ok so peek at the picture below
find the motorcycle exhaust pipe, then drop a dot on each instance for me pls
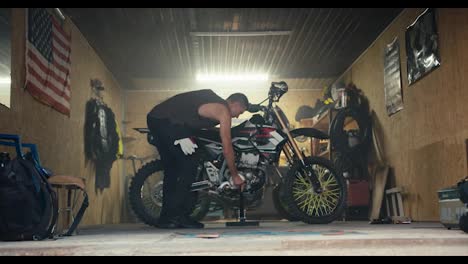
(202, 185)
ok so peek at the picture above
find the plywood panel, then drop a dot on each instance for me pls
(60, 138)
(424, 141)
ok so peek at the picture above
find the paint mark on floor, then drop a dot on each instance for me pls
(270, 233)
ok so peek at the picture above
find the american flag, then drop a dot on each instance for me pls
(48, 60)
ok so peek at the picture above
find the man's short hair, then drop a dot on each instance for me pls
(239, 97)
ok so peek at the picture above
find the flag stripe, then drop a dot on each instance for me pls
(60, 61)
(63, 38)
(47, 91)
(60, 55)
(65, 52)
(54, 72)
(65, 92)
(48, 60)
(59, 67)
(52, 83)
(64, 44)
(59, 29)
(46, 99)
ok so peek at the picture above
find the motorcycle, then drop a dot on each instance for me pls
(311, 191)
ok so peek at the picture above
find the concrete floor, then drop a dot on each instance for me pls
(271, 238)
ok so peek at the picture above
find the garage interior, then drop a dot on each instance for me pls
(403, 188)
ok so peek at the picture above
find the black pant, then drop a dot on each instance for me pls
(179, 169)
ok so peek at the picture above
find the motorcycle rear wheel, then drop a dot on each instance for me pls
(145, 194)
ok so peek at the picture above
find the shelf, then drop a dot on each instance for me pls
(320, 123)
(306, 122)
(324, 153)
(322, 117)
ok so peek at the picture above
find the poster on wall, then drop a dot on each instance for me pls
(392, 78)
(422, 47)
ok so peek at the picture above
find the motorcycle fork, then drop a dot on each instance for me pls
(307, 168)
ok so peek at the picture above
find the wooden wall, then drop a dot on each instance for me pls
(424, 143)
(60, 138)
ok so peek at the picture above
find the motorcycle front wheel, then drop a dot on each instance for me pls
(146, 195)
(304, 203)
(280, 205)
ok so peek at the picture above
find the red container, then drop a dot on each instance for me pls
(358, 193)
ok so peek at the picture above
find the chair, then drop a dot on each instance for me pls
(72, 187)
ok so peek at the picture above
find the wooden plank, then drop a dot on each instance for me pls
(393, 190)
(324, 154)
(322, 122)
(378, 191)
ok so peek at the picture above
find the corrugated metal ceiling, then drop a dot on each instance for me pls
(287, 42)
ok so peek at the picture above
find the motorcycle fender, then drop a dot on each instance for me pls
(309, 132)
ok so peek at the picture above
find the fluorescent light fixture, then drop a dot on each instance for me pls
(240, 34)
(231, 77)
(5, 80)
(59, 13)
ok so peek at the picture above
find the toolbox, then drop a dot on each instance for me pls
(450, 206)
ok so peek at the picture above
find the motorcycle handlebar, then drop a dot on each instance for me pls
(254, 108)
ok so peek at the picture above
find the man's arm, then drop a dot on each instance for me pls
(221, 113)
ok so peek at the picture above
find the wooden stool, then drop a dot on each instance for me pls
(71, 185)
(394, 204)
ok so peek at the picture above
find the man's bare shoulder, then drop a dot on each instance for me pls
(213, 110)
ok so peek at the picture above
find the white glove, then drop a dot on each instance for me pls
(232, 182)
(187, 145)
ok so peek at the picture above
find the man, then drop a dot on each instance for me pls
(172, 123)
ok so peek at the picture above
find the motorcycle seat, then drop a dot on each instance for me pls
(210, 134)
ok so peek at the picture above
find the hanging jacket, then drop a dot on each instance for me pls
(101, 140)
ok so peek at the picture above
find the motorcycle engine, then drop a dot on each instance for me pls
(254, 177)
(248, 160)
(251, 167)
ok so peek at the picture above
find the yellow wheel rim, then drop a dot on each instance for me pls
(312, 203)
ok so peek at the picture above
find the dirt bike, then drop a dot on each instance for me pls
(311, 191)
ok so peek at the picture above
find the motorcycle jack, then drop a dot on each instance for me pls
(242, 218)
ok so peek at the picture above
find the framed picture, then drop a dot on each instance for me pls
(422, 47)
(392, 78)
